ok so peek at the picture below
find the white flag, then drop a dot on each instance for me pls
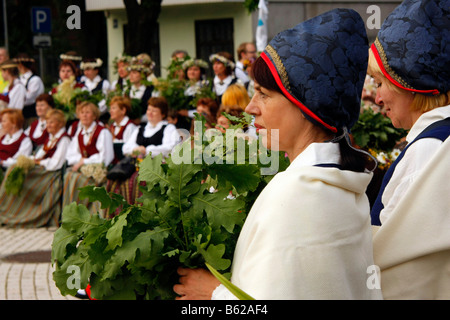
(261, 29)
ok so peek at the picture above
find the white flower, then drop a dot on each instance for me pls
(381, 157)
(394, 154)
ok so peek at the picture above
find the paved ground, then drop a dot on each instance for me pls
(25, 273)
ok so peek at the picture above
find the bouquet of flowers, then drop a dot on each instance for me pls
(15, 179)
(96, 171)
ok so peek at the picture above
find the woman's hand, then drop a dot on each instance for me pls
(77, 165)
(195, 284)
(140, 150)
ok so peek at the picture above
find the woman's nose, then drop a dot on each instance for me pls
(252, 108)
(378, 98)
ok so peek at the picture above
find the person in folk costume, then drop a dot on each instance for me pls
(39, 202)
(33, 84)
(140, 89)
(157, 136)
(68, 71)
(223, 67)
(410, 62)
(96, 84)
(37, 131)
(246, 53)
(14, 94)
(14, 142)
(76, 59)
(195, 71)
(149, 64)
(92, 145)
(308, 234)
(120, 67)
(122, 127)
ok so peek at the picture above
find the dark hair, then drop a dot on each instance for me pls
(350, 159)
(70, 64)
(47, 98)
(211, 104)
(161, 104)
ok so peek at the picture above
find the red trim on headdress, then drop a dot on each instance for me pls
(392, 80)
(274, 72)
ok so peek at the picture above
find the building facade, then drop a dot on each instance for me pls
(202, 27)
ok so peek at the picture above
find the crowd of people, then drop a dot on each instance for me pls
(84, 126)
(311, 233)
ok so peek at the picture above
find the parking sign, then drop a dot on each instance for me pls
(41, 20)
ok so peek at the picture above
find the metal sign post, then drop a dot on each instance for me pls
(42, 26)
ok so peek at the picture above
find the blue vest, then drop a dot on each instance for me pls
(439, 130)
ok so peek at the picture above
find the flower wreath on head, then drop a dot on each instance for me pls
(121, 58)
(143, 62)
(91, 65)
(64, 56)
(138, 67)
(222, 59)
(195, 62)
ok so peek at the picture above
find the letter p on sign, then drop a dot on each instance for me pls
(41, 20)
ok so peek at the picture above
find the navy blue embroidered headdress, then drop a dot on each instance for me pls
(413, 46)
(320, 65)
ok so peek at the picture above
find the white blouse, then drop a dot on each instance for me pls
(170, 139)
(40, 128)
(35, 87)
(128, 132)
(104, 146)
(17, 95)
(26, 147)
(57, 160)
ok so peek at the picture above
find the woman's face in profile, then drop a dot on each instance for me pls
(279, 122)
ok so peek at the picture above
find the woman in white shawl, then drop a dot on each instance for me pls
(411, 214)
(308, 234)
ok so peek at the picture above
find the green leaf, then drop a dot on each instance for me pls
(241, 295)
(127, 252)
(77, 218)
(213, 255)
(180, 177)
(243, 177)
(151, 171)
(107, 200)
(114, 234)
(221, 212)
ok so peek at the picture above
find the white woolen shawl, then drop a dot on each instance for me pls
(412, 248)
(308, 234)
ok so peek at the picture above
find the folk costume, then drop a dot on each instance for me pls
(219, 86)
(158, 139)
(39, 203)
(37, 132)
(95, 145)
(14, 95)
(411, 213)
(308, 234)
(12, 146)
(34, 87)
(97, 84)
(121, 132)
